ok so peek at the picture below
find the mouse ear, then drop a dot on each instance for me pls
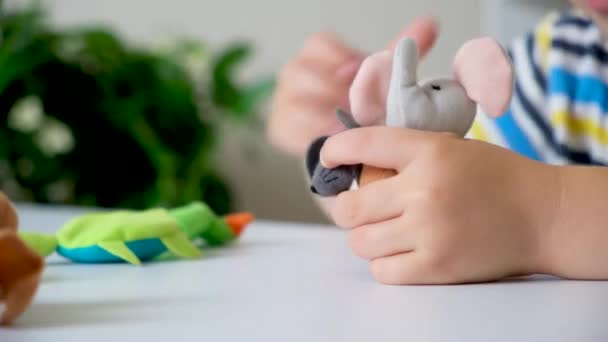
(483, 68)
(369, 89)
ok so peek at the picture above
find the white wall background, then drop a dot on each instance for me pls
(272, 185)
(505, 19)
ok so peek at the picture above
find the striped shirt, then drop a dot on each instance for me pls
(559, 110)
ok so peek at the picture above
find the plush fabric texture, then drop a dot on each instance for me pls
(139, 236)
(370, 174)
(134, 252)
(330, 182)
(483, 68)
(110, 233)
(43, 244)
(386, 91)
(20, 271)
(482, 75)
(197, 220)
(558, 111)
(440, 104)
(8, 215)
(20, 266)
(313, 156)
(105, 237)
(194, 219)
(121, 225)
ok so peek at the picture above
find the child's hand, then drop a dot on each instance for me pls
(309, 89)
(458, 210)
(316, 81)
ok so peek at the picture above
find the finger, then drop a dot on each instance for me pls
(399, 269)
(383, 147)
(376, 202)
(295, 128)
(423, 30)
(306, 112)
(327, 48)
(379, 240)
(345, 74)
(308, 80)
(369, 89)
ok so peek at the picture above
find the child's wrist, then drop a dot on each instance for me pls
(548, 212)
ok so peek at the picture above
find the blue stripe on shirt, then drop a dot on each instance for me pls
(579, 157)
(593, 50)
(553, 82)
(538, 75)
(569, 20)
(515, 137)
(579, 88)
(544, 127)
(547, 132)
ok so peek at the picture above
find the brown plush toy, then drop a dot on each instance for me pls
(20, 266)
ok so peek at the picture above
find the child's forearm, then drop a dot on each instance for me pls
(576, 245)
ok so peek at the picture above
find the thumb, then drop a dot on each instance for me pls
(423, 30)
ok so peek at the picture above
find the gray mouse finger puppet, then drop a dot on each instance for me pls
(330, 182)
(386, 91)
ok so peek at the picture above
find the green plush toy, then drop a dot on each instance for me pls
(138, 236)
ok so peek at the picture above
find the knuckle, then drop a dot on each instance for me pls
(431, 199)
(288, 71)
(436, 149)
(434, 194)
(387, 272)
(439, 265)
(359, 241)
(440, 148)
(347, 209)
(357, 139)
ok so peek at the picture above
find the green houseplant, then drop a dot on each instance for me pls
(87, 119)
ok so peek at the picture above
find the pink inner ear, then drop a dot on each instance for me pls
(483, 68)
(369, 89)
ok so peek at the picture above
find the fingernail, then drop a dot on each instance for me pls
(429, 18)
(321, 159)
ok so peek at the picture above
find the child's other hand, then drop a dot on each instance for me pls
(458, 210)
(309, 88)
(316, 81)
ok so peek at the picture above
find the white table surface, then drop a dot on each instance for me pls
(290, 282)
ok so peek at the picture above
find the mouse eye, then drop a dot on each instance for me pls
(435, 87)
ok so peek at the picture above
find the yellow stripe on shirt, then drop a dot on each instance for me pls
(543, 40)
(478, 132)
(580, 126)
